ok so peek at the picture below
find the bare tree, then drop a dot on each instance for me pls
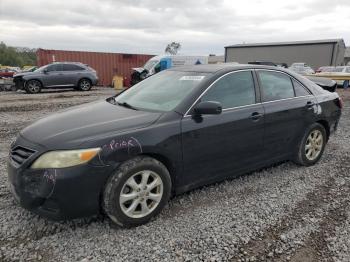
(173, 48)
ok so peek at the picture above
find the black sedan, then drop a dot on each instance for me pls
(175, 131)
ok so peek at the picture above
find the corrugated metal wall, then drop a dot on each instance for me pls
(106, 64)
(314, 54)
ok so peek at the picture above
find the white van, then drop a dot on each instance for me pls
(163, 62)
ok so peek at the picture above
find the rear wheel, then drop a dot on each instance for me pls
(311, 146)
(346, 84)
(137, 191)
(33, 87)
(84, 85)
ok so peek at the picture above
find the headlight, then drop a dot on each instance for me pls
(65, 158)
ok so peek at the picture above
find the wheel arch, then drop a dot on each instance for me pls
(166, 162)
(36, 79)
(325, 124)
(82, 78)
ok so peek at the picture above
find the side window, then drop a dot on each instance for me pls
(275, 86)
(235, 89)
(52, 68)
(348, 70)
(70, 67)
(55, 67)
(300, 90)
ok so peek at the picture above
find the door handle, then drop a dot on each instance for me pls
(310, 104)
(256, 116)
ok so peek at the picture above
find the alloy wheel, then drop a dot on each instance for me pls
(85, 85)
(34, 86)
(141, 194)
(313, 145)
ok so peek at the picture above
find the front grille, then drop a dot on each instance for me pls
(20, 154)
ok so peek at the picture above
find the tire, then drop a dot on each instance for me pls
(138, 204)
(33, 87)
(346, 84)
(84, 84)
(311, 146)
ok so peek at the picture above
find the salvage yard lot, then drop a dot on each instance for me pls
(280, 213)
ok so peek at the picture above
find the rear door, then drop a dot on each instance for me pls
(215, 146)
(289, 110)
(72, 74)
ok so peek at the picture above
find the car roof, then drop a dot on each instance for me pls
(67, 62)
(214, 68)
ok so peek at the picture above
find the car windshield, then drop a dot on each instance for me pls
(40, 68)
(148, 66)
(161, 92)
(327, 69)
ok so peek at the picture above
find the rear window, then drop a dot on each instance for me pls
(275, 86)
(300, 90)
(71, 67)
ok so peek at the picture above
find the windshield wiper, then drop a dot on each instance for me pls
(125, 104)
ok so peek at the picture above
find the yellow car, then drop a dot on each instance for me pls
(341, 74)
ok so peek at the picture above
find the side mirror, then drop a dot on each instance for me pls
(208, 108)
(45, 71)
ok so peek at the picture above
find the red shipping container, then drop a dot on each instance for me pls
(106, 65)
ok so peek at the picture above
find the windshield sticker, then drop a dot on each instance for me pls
(192, 78)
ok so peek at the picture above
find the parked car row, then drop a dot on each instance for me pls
(306, 71)
(7, 72)
(57, 75)
(341, 74)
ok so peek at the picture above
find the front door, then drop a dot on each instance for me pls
(53, 75)
(216, 146)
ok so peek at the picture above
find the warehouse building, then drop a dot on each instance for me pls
(106, 65)
(347, 56)
(315, 53)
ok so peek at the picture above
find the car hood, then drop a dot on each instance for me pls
(139, 69)
(25, 74)
(91, 121)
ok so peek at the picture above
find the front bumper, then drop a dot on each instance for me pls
(95, 81)
(58, 193)
(19, 82)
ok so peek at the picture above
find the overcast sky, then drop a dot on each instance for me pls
(146, 26)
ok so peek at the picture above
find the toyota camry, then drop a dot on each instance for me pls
(177, 130)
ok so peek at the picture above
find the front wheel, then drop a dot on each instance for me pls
(346, 84)
(311, 146)
(137, 191)
(33, 87)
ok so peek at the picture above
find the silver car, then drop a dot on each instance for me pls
(56, 75)
(301, 68)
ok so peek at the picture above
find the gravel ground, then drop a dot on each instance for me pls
(282, 213)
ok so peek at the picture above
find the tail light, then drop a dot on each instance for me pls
(339, 102)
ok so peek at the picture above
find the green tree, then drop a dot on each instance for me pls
(12, 56)
(173, 48)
